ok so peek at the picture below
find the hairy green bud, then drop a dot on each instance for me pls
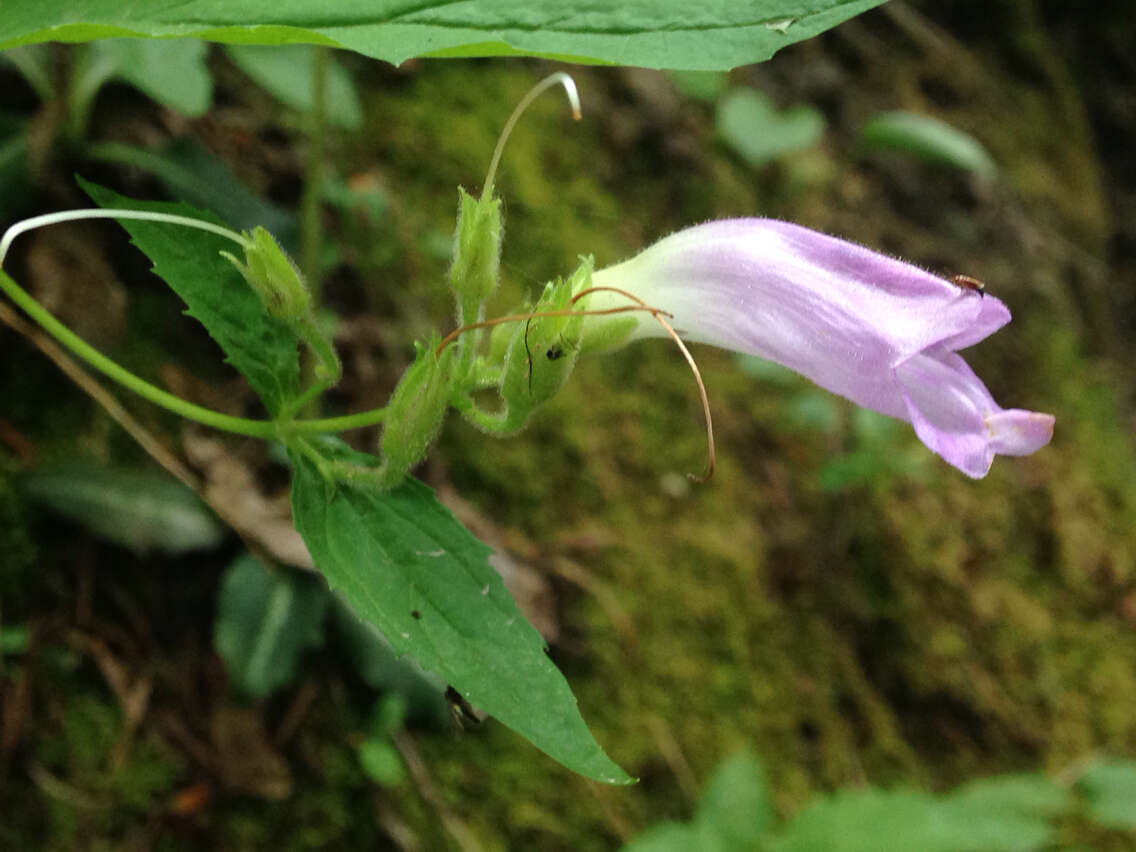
(543, 350)
(415, 412)
(477, 248)
(273, 275)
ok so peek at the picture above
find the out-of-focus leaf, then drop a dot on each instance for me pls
(288, 73)
(678, 837)
(702, 85)
(1009, 812)
(265, 621)
(382, 762)
(928, 139)
(1110, 789)
(735, 803)
(714, 35)
(172, 72)
(14, 182)
(405, 564)
(859, 821)
(1005, 814)
(750, 124)
(264, 349)
(194, 175)
(33, 61)
(139, 509)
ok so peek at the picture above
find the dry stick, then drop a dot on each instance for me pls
(657, 314)
(155, 448)
(99, 394)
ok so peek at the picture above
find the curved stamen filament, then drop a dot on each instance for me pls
(658, 315)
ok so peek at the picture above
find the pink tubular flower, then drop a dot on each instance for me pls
(873, 329)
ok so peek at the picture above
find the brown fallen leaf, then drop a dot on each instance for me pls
(230, 487)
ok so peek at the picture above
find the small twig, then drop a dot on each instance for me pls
(99, 394)
(658, 315)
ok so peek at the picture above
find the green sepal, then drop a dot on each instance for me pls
(477, 249)
(416, 411)
(273, 275)
(543, 350)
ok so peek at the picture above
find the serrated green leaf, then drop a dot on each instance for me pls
(193, 174)
(381, 669)
(265, 621)
(676, 34)
(750, 124)
(928, 139)
(141, 510)
(735, 803)
(1110, 789)
(287, 72)
(171, 72)
(263, 349)
(405, 564)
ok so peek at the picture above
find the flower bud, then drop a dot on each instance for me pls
(477, 248)
(543, 350)
(415, 412)
(273, 275)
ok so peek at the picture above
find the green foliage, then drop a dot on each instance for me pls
(173, 73)
(702, 85)
(404, 563)
(415, 411)
(193, 174)
(288, 72)
(265, 621)
(1008, 813)
(1110, 790)
(477, 249)
(141, 510)
(928, 139)
(380, 668)
(733, 815)
(378, 755)
(751, 125)
(263, 348)
(657, 34)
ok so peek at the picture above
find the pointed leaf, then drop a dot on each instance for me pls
(404, 563)
(264, 349)
(653, 33)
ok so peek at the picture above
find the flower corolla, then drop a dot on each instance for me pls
(881, 332)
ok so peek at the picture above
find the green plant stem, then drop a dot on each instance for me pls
(109, 368)
(179, 406)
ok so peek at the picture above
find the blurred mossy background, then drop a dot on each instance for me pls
(836, 599)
